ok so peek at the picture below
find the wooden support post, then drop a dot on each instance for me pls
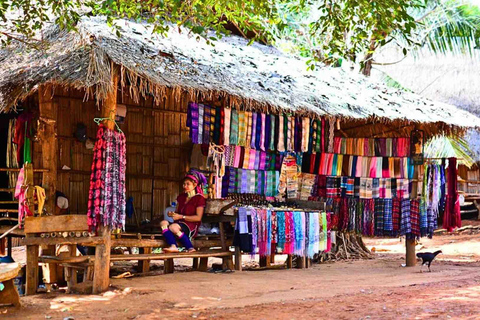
(32, 270)
(203, 264)
(411, 259)
(168, 266)
(144, 265)
(101, 276)
(195, 264)
(49, 270)
(300, 262)
(48, 138)
(9, 246)
(3, 246)
(289, 261)
(238, 259)
(266, 261)
(227, 262)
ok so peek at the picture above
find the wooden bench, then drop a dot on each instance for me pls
(86, 262)
(9, 295)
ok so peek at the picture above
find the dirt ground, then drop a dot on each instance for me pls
(380, 288)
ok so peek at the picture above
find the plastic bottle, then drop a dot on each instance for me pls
(172, 208)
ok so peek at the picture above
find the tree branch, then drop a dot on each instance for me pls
(388, 63)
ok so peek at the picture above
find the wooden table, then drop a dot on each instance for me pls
(9, 295)
(476, 201)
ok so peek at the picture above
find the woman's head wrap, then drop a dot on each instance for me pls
(198, 178)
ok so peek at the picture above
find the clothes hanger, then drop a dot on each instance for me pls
(110, 118)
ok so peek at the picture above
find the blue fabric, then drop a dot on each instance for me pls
(388, 215)
(185, 240)
(169, 237)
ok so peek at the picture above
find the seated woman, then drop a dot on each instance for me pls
(188, 216)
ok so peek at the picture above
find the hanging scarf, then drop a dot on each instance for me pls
(227, 122)
(264, 131)
(234, 127)
(253, 132)
(405, 219)
(242, 128)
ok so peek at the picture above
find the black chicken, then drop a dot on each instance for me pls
(427, 257)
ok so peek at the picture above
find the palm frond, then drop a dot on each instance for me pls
(446, 147)
(451, 27)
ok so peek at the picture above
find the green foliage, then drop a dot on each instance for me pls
(23, 18)
(329, 30)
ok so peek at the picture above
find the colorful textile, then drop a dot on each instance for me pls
(242, 128)
(106, 200)
(234, 127)
(405, 218)
(227, 122)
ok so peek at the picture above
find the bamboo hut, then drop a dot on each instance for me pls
(68, 81)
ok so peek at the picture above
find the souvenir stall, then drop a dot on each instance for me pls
(366, 186)
(304, 154)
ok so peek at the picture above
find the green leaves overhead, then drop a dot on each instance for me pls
(24, 18)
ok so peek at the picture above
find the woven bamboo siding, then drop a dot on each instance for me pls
(158, 149)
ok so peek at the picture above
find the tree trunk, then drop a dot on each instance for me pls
(368, 59)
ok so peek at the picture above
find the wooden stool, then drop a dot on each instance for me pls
(9, 295)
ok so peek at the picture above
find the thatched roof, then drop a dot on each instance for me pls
(253, 76)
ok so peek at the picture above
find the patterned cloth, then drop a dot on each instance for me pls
(388, 216)
(396, 215)
(405, 219)
(234, 127)
(379, 216)
(415, 217)
(106, 200)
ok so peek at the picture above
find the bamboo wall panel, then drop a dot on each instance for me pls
(158, 149)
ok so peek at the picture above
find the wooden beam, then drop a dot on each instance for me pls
(160, 243)
(73, 222)
(88, 241)
(49, 142)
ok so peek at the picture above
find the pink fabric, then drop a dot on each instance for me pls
(373, 168)
(281, 136)
(251, 160)
(236, 161)
(20, 194)
(358, 172)
(337, 144)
